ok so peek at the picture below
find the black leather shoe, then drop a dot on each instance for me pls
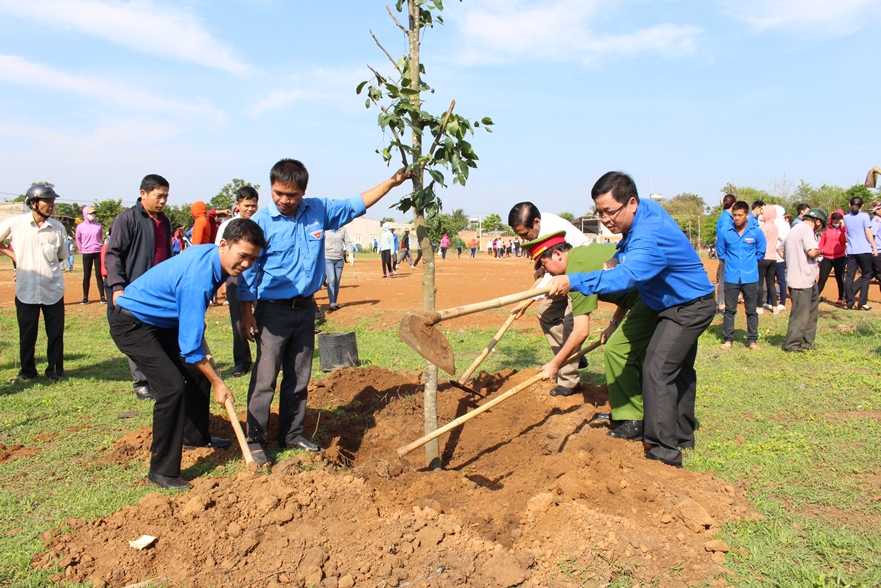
(240, 370)
(663, 461)
(562, 391)
(582, 363)
(144, 393)
(301, 442)
(167, 482)
(630, 430)
(215, 443)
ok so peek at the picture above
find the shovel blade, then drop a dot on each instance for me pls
(427, 341)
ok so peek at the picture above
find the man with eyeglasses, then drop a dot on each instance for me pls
(554, 314)
(656, 258)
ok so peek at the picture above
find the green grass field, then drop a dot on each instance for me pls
(801, 432)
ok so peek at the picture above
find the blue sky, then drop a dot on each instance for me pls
(683, 95)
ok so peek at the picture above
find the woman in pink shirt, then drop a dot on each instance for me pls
(444, 243)
(89, 238)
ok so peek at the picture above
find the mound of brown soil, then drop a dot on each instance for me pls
(533, 493)
(13, 452)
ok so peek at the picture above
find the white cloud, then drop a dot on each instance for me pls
(18, 71)
(327, 85)
(829, 16)
(562, 30)
(144, 26)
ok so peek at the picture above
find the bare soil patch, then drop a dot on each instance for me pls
(533, 494)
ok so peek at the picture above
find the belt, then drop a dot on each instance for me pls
(709, 296)
(298, 303)
(126, 312)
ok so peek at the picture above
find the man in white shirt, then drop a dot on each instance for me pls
(554, 314)
(38, 246)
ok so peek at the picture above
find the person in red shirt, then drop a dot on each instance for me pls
(833, 243)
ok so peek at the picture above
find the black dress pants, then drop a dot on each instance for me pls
(28, 316)
(669, 381)
(180, 415)
(90, 259)
(852, 287)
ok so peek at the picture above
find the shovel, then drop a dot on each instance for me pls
(460, 383)
(243, 443)
(419, 331)
(405, 449)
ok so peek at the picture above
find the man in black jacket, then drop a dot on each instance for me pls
(140, 237)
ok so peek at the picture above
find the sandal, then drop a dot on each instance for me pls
(754, 346)
(20, 378)
(725, 345)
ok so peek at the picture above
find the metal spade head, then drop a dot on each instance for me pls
(427, 341)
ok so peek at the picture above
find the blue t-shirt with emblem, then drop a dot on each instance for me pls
(292, 263)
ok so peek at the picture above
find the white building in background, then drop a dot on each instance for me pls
(10, 209)
(362, 231)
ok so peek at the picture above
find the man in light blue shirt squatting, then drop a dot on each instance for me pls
(743, 248)
(654, 257)
(159, 322)
(287, 274)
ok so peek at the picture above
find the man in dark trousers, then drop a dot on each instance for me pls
(655, 257)
(247, 200)
(160, 323)
(140, 238)
(40, 249)
(283, 281)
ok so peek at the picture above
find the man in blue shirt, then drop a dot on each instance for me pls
(743, 248)
(159, 322)
(860, 250)
(287, 274)
(655, 257)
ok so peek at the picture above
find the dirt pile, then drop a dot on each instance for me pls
(533, 493)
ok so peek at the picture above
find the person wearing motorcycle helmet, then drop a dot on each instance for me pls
(801, 251)
(40, 250)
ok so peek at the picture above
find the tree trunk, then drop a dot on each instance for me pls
(432, 448)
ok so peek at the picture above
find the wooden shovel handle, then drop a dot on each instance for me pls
(405, 449)
(442, 315)
(491, 344)
(240, 436)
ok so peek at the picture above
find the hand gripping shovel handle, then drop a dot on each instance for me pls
(240, 436)
(490, 345)
(405, 449)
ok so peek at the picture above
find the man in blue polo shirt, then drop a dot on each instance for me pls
(860, 251)
(654, 257)
(743, 248)
(287, 274)
(159, 322)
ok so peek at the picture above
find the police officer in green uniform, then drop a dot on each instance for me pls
(626, 337)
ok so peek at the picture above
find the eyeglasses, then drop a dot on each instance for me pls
(610, 215)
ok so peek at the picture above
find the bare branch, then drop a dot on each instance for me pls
(378, 44)
(443, 126)
(391, 14)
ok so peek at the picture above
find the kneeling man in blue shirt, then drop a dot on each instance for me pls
(655, 258)
(159, 322)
